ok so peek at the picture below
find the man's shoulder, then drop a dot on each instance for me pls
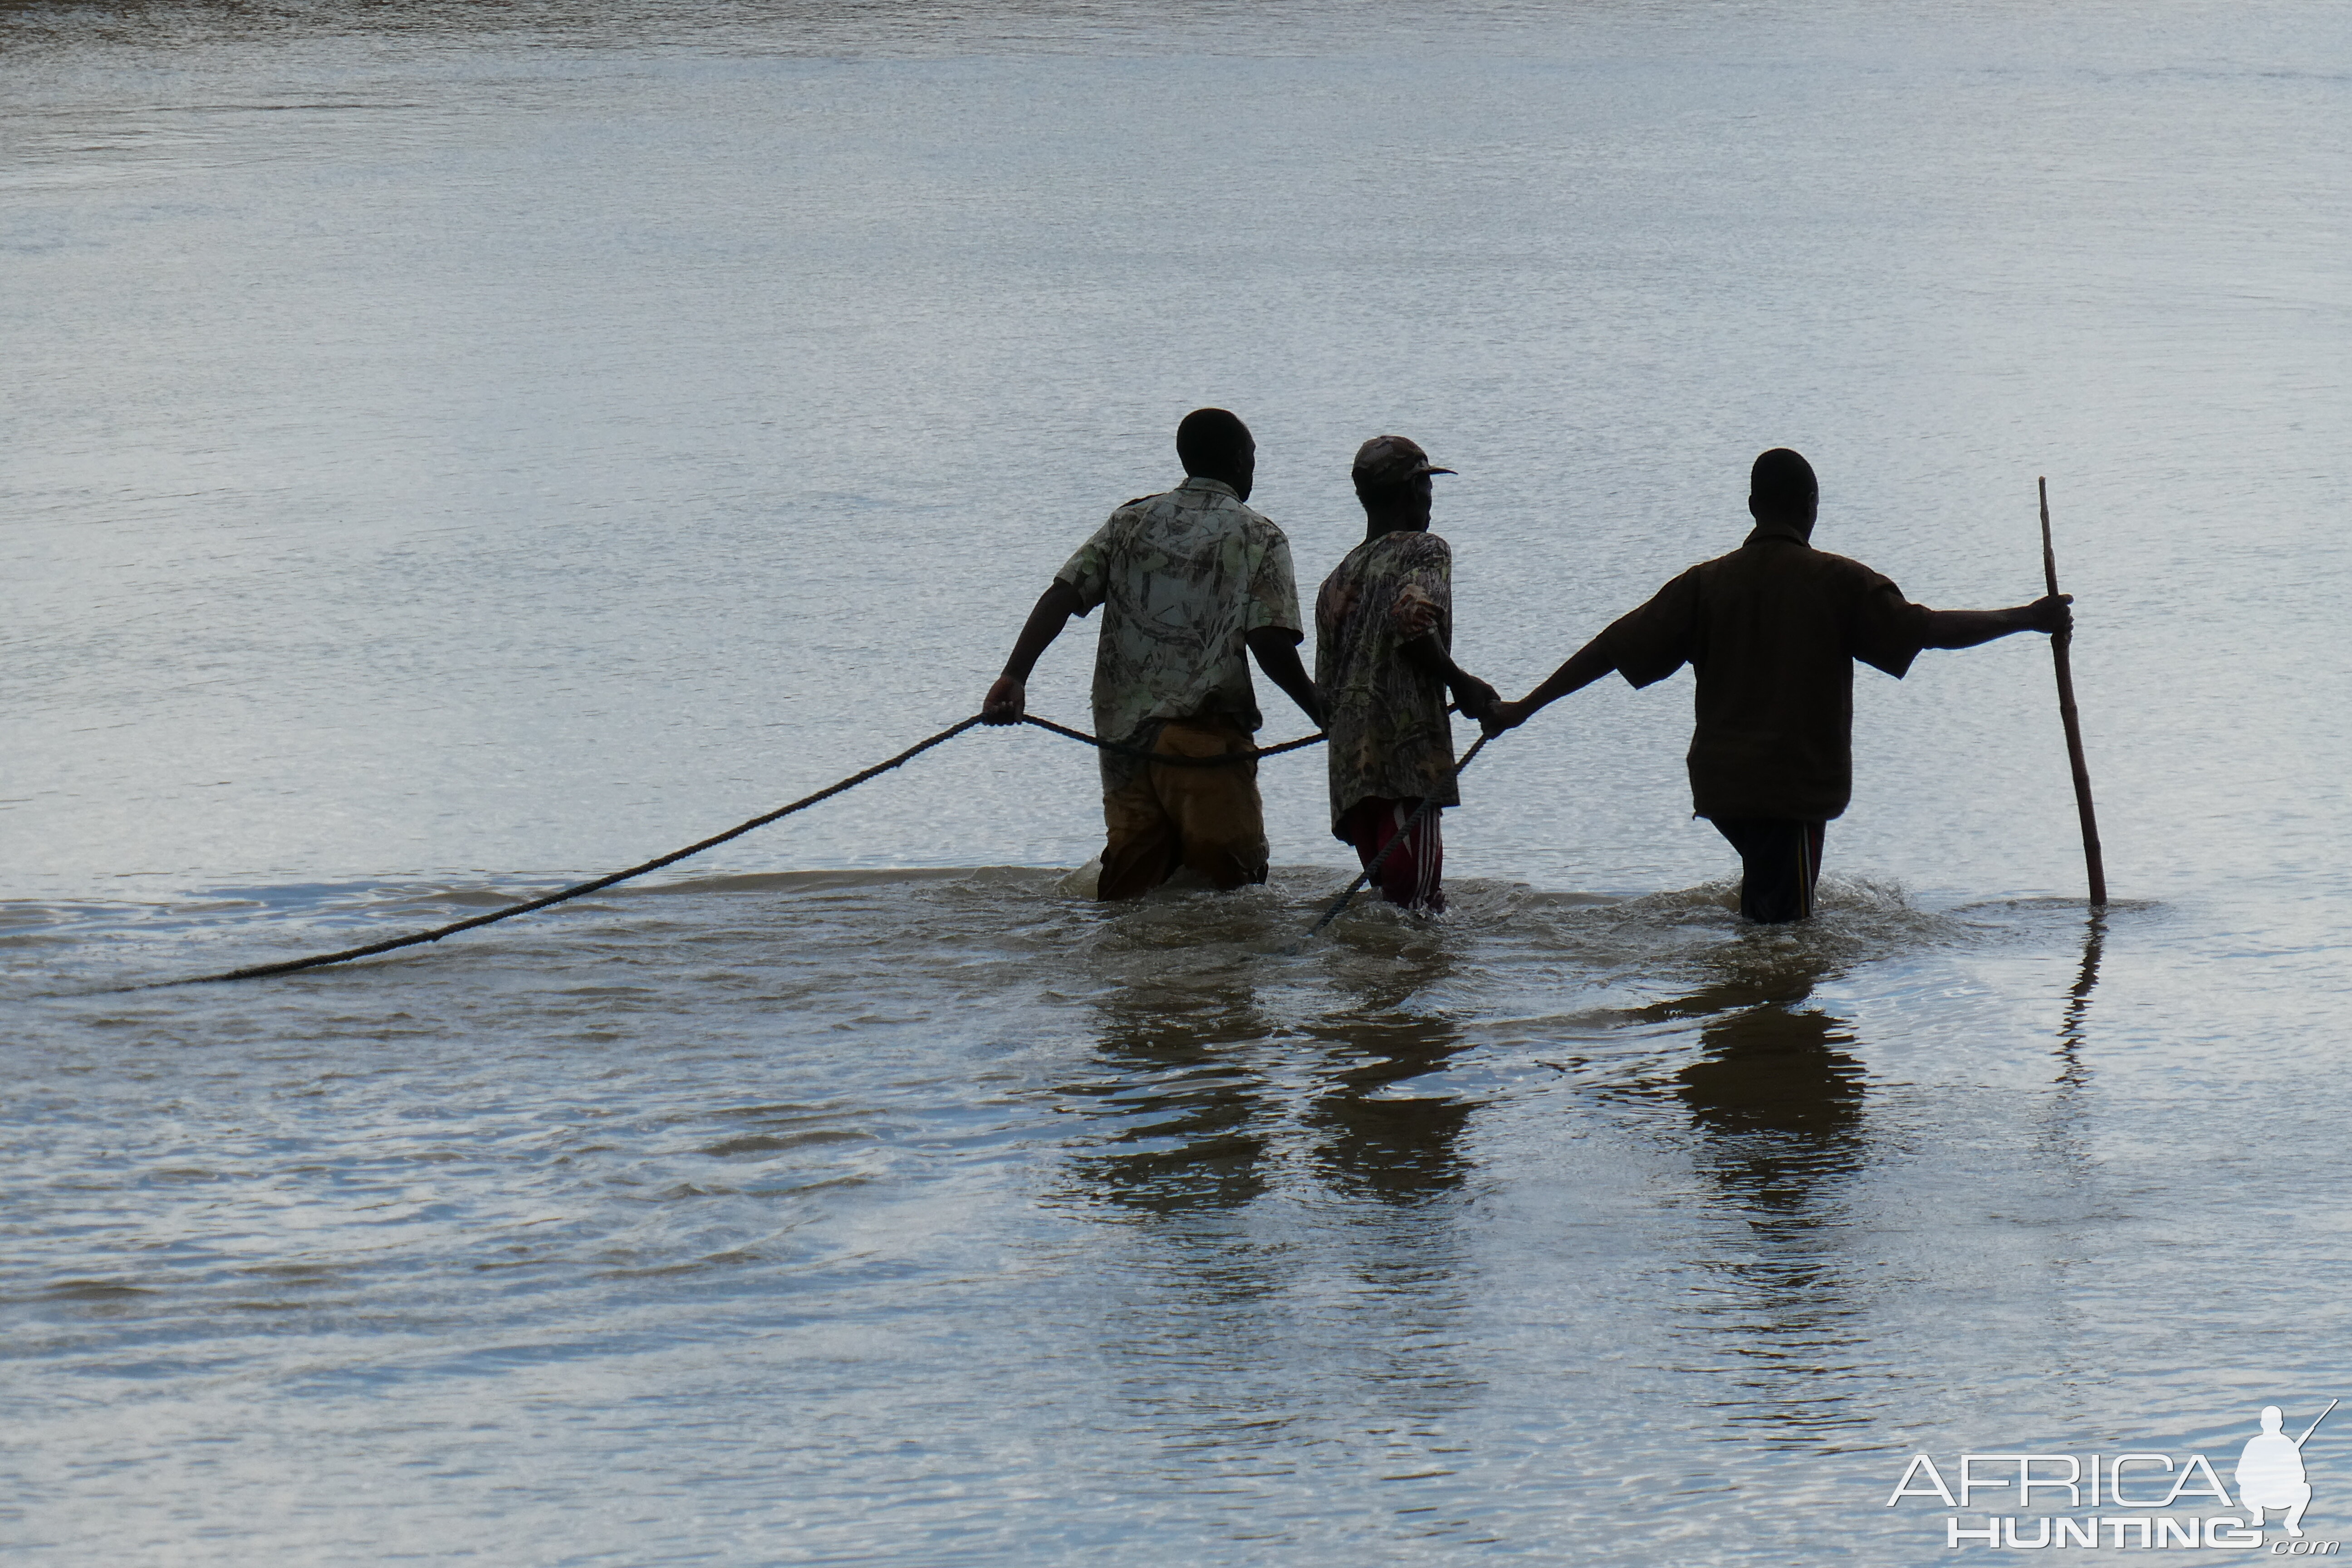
(1159, 518)
(1356, 563)
(1213, 505)
(1224, 517)
(1691, 576)
(1845, 570)
(1405, 544)
(1396, 554)
(1790, 560)
(1143, 505)
(1255, 523)
(1190, 524)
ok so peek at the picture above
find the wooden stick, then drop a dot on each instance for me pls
(2058, 651)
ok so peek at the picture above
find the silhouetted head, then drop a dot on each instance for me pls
(1213, 444)
(1391, 477)
(2271, 1416)
(1782, 489)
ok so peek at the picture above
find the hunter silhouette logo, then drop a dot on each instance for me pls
(2133, 1501)
(2270, 1471)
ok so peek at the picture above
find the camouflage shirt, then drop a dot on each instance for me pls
(1386, 715)
(1183, 577)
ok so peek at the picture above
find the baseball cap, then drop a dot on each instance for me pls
(1391, 460)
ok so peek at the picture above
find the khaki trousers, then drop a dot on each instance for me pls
(1207, 818)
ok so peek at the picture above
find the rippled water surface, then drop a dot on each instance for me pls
(452, 450)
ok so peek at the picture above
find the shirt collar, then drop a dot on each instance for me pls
(1218, 486)
(1778, 528)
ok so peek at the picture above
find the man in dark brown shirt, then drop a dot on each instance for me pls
(1772, 630)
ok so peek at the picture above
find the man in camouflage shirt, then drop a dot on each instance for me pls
(1383, 630)
(1188, 580)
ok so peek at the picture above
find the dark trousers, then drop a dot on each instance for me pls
(1207, 818)
(1780, 862)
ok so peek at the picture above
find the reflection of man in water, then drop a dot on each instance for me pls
(1776, 1089)
(1772, 630)
(2269, 1475)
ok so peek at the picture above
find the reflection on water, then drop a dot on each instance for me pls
(1774, 1091)
(2078, 999)
(1284, 1284)
(1376, 1140)
(2064, 1148)
(1190, 1113)
(1776, 1097)
(1195, 1121)
(1324, 1248)
(1780, 1099)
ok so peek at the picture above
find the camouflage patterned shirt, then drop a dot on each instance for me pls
(1183, 577)
(1386, 715)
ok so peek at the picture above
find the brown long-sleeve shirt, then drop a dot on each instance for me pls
(1772, 631)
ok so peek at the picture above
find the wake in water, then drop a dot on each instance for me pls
(1608, 937)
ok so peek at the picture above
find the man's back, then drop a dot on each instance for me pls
(1184, 577)
(1197, 584)
(1386, 714)
(1772, 630)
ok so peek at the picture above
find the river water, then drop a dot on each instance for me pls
(455, 449)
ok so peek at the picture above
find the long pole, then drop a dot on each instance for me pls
(2058, 651)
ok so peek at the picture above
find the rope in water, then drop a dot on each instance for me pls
(319, 960)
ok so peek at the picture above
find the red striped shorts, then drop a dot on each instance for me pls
(1410, 877)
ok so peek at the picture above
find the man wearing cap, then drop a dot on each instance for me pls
(1772, 631)
(1384, 636)
(1188, 580)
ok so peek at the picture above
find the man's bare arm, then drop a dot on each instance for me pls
(1276, 652)
(1585, 666)
(1471, 695)
(1009, 697)
(1968, 628)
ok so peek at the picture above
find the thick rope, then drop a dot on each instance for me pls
(319, 960)
(1167, 761)
(294, 965)
(1428, 804)
(580, 889)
